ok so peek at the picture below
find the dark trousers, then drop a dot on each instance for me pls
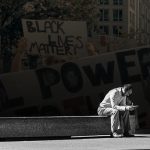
(119, 119)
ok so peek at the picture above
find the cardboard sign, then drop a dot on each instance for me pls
(55, 37)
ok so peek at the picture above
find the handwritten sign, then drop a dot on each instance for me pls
(77, 87)
(54, 37)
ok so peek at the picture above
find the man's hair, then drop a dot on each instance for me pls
(127, 87)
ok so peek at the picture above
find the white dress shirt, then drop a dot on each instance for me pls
(114, 99)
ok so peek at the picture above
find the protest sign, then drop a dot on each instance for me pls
(55, 37)
(77, 87)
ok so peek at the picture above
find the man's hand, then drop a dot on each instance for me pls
(21, 45)
(130, 108)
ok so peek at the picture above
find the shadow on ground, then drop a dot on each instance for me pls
(64, 138)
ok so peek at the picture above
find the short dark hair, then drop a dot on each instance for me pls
(127, 87)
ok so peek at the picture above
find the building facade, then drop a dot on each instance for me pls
(144, 21)
(125, 18)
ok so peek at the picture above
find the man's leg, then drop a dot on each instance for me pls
(126, 123)
(114, 114)
(125, 120)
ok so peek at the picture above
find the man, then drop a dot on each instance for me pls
(114, 105)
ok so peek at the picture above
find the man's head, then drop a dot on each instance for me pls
(127, 89)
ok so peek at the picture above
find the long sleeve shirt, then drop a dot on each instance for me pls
(114, 99)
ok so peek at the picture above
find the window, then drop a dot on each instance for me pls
(132, 18)
(104, 15)
(104, 2)
(117, 30)
(104, 30)
(132, 3)
(117, 15)
(118, 2)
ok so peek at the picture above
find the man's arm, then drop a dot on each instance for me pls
(120, 108)
(113, 96)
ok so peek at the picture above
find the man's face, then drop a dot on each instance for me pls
(129, 92)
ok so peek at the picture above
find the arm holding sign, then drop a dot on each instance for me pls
(16, 62)
(91, 49)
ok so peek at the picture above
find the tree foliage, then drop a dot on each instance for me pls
(11, 12)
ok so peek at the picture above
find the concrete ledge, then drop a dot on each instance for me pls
(53, 126)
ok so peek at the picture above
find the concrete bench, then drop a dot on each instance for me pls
(54, 126)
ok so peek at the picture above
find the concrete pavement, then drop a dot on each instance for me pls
(140, 141)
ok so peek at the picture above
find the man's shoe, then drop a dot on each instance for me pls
(116, 135)
(128, 135)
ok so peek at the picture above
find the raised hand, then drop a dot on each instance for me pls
(21, 45)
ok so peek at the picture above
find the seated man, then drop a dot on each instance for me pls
(114, 105)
